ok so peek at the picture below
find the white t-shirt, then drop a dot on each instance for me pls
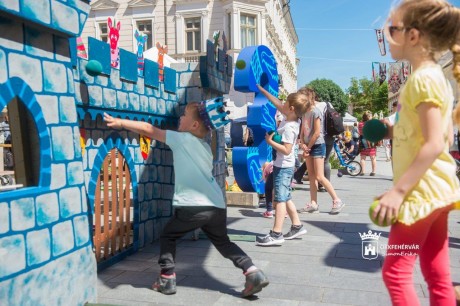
(194, 183)
(289, 130)
(391, 118)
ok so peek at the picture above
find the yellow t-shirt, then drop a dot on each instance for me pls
(439, 186)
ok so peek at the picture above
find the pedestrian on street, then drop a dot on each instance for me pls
(314, 150)
(367, 148)
(425, 187)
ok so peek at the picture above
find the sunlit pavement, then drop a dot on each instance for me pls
(325, 267)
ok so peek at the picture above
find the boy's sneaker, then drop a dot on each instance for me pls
(270, 239)
(295, 232)
(255, 281)
(165, 284)
(268, 214)
(309, 209)
(337, 206)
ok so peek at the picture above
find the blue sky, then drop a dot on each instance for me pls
(337, 39)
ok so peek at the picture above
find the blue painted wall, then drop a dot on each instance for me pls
(45, 244)
(45, 233)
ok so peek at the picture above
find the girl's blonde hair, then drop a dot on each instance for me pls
(300, 103)
(439, 21)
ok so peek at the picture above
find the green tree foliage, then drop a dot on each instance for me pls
(365, 94)
(329, 91)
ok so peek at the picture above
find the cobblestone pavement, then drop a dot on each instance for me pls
(324, 267)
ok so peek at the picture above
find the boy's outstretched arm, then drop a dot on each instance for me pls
(271, 97)
(139, 127)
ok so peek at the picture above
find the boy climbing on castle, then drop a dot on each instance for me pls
(198, 199)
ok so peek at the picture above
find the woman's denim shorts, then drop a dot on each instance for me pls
(318, 151)
(282, 178)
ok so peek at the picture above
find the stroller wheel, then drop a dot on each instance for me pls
(353, 168)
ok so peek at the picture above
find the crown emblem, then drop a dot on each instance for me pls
(213, 113)
(370, 235)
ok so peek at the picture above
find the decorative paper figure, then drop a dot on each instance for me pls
(82, 141)
(81, 51)
(373, 72)
(381, 41)
(215, 38)
(395, 77)
(162, 50)
(144, 145)
(225, 48)
(406, 70)
(141, 39)
(114, 35)
(382, 72)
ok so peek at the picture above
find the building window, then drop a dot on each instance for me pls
(103, 31)
(145, 27)
(193, 34)
(248, 30)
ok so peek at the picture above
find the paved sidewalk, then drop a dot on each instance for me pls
(325, 267)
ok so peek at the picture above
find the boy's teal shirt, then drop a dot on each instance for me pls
(194, 182)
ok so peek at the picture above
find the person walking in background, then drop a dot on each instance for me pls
(328, 140)
(314, 148)
(248, 137)
(425, 187)
(267, 177)
(283, 167)
(198, 199)
(391, 119)
(367, 148)
(355, 133)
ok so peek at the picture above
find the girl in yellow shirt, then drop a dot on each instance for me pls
(425, 185)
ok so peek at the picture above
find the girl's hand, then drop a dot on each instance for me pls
(388, 208)
(269, 138)
(112, 122)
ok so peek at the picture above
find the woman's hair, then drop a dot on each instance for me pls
(300, 103)
(367, 115)
(309, 92)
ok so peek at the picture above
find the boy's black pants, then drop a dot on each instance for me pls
(213, 221)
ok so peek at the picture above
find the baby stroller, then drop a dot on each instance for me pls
(351, 166)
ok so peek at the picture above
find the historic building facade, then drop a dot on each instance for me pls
(185, 25)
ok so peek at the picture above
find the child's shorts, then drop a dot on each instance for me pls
(282, 178)
(318, 150)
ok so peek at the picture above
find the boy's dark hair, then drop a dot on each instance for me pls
(193, 107)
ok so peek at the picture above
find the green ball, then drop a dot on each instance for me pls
(93, 68)
(240, 64)
(371, 212)
(374, 130)
(277, 138)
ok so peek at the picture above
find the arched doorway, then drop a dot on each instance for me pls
(113, 209)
